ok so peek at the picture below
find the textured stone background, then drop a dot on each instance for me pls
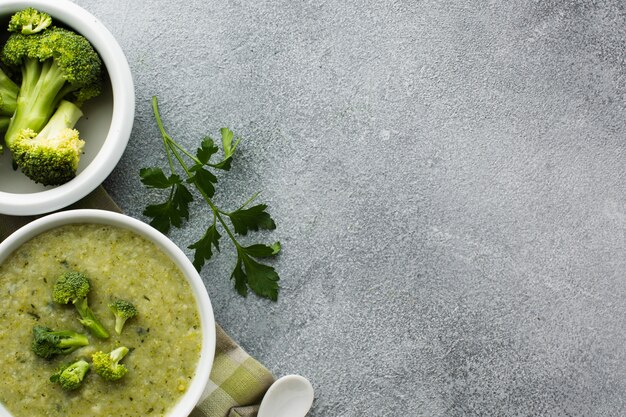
(447, 177)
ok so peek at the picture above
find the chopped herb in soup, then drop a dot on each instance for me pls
(163, 339)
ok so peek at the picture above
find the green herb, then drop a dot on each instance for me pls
(249, 272)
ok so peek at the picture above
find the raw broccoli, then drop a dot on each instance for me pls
(51, 156)
(123, 310)
(8, 95)
(70, 376)
(29, 21)
(48, 343)
(55, 64)
(4, 125)
(8, 101)
(73, 287)
(107, 364)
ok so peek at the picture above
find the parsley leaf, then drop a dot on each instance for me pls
(229, 149)
(253, 218)
(262, 279)
(227, 142)
(241, 279)
(203, 247)
(155, 178)
(263, 251)
(224, 165)
(204, 180)
(172, 212)
(206, 150)
(249, 273)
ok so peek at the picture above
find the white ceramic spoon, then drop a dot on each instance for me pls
(289, 396)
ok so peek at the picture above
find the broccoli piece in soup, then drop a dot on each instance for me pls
(73, 287)
(107, 364)
(71, 376)
(48, 343)
(122, 310)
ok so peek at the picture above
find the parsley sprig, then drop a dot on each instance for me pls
(195, 171)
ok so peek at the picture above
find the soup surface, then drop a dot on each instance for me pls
(165, 337)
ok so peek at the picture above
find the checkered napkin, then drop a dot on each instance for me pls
(238, 381)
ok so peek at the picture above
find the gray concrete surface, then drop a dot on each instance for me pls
(447, 177)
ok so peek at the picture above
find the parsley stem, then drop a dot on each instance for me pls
(181, 161)
(167, 139)
(171, 146)
(168, 152)
(183, 150)
(216, 214)
(250, 200)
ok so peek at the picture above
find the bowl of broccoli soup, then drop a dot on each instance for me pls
(102, 315)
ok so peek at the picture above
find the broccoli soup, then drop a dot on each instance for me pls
(163, 340)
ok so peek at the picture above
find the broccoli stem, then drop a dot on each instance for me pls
(8, 102)
(75, 340)
(38, 97)
(89, 320)
(66, 116)
(48, 343)
(118, 354)
(119, 324)
(4, 125)
(8, 95)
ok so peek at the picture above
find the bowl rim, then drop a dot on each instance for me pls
(122, 118)
(97, 216)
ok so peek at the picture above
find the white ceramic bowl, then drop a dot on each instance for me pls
(207, 321)
(105, 126)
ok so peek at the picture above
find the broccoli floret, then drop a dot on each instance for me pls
(48, 343)
(70, 376)
(123, 310)
(73, 287)
(107, 364)
(55, 64)
(51, 156)
(29, 21)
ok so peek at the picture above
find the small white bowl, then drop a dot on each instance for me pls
(205, 309)
(105, 126)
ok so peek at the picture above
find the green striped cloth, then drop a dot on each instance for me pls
(237, 382)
